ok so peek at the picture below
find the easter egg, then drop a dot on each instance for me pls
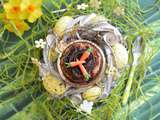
(53, 85)
(61, 25)
(121, 55)
(92, 93)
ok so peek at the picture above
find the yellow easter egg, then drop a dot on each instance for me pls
(53, 85)
(92, 93)
(120, 54)
(61, 25)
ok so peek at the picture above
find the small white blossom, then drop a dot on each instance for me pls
(86, 106)
(119, 11)
(40, 44)
(82, 6)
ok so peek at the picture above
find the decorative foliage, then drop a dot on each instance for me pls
(21, 93)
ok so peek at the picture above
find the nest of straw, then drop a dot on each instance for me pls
(95, 29)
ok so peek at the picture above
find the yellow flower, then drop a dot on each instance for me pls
(33, 8)
(18, 27)
(16, 11)
(13, 10)
(3, 18)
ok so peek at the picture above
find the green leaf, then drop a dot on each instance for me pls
(147, 106)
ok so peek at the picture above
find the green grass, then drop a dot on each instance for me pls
(19, 81)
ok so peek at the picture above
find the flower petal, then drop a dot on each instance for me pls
(40, 40)
(33, 16)
(18, 27)
(86, 106)
(36, 42)
(15, 2)
(36, 2)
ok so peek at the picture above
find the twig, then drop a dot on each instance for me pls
(58, 11)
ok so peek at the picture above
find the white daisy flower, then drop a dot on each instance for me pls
(82, 6)
(40, 44)
(86, 106)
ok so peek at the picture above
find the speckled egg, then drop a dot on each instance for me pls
(120, 54)
(92, 93)
(53, 85)
(61, 25)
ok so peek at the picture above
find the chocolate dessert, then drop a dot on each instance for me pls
(81, 63)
